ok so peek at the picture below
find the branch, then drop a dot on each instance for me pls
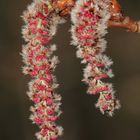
(127, 23)
(117, 19)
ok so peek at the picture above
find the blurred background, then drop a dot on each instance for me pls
(80, 119)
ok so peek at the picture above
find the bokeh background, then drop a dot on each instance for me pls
(80, 119)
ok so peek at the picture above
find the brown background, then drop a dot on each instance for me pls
(80, 119)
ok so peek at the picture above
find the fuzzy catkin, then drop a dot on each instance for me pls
(89, 26)
(89, 18)
(41, 22)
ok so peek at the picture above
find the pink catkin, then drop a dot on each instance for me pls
(37, 56)
(88, 30)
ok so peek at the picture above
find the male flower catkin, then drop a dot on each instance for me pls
(90, 19)
(41, 22)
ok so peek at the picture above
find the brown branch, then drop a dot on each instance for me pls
(117, 19)
(126, 23)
